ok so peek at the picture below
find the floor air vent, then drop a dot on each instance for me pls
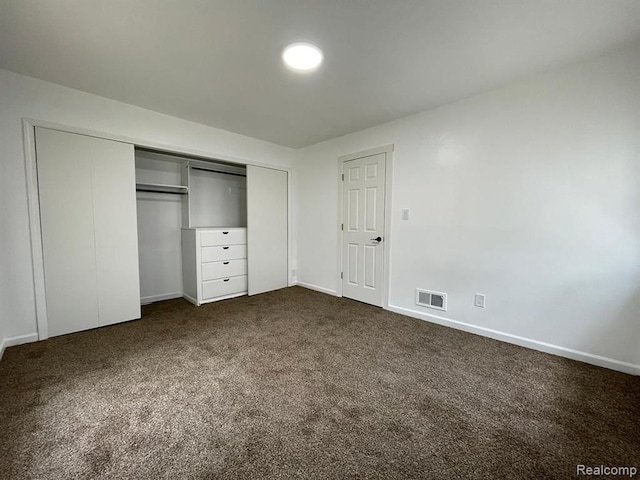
(427, 298)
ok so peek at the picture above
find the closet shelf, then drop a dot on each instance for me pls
(162, 188)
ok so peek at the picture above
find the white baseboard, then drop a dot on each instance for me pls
(317, 288)
(191, 299)
(585, 357)
(159, 298)
(12, 341)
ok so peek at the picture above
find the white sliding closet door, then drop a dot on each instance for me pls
(116, 229)
(68, 240)
(267, 232)
(86, 190)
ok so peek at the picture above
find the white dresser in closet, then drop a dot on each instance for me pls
(214, 263)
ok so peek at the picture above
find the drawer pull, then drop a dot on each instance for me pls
(226, 280)
(225, 248)
(225, 263)
(224, 233)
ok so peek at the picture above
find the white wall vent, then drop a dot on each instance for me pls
(430, 299)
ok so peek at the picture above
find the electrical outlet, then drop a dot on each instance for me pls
(479, 300)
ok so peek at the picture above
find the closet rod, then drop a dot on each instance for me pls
(159, 191)
(218, 171)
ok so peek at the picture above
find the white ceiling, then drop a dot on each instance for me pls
(217, 62)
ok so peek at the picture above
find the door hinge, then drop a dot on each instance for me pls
(342, 226)
(341, 275)
(343, 177)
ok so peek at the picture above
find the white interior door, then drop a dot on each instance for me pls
(267, 229)
(86, 188)
(363, 204)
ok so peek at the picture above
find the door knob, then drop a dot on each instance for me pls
(377, 239)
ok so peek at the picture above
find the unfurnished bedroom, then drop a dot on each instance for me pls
(319, 239)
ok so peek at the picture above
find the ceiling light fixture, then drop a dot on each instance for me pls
(302, 56)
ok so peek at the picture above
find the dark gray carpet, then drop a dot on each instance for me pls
(295, 383)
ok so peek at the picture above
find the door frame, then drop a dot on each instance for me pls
(386, 263)
(33, 199)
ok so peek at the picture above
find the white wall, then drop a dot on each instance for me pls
(2, 345)
(22, 97)
(529, 194)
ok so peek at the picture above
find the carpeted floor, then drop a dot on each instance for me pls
(295, 383)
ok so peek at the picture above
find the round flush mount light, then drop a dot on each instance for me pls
(302, 56)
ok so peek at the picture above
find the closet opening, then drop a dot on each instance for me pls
(192, 219)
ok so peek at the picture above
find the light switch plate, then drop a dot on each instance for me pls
(479, 300)
(405, 214)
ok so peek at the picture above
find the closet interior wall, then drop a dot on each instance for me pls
(217, 199)
(159, 223)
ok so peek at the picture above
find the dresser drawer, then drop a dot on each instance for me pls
(230, 268)
(222, 253)
(222, 287)
(231, 236)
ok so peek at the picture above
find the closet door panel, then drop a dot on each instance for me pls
(116, 231)
(66, 217)
(267, 229)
